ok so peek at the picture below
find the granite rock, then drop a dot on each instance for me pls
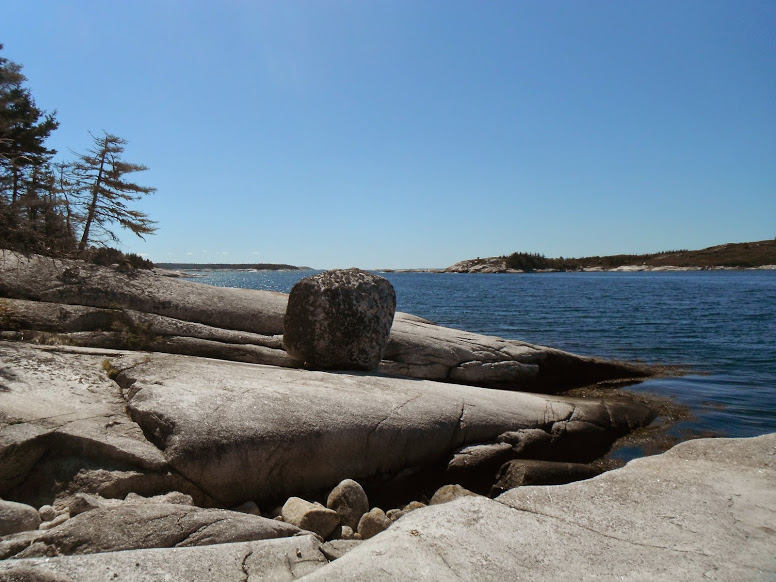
(17, 517)
(339, 320)
(349, 500)
(310, 516)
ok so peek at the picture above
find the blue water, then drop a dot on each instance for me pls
(718, 325)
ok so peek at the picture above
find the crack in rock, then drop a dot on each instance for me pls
(244, 565)
(604, 534)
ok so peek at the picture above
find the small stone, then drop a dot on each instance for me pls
(447, 493)
(248, 507)
(413, 505)
(346, 533)
(349, 500)
(47, 513)
(310, 516)
(394, 514)
(58, 520)
(17, 517)
(372, 523)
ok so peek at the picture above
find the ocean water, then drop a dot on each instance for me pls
(718, 326)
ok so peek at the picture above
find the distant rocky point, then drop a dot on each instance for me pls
(731, 256)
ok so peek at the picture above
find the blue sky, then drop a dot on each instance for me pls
(389, 134)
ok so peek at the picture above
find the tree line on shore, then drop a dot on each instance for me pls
(732, 255)
(57, 206)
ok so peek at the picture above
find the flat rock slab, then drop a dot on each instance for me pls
(226, 432)
(269, 560)
(80, 283)
(132, 526)
(421, 349)
(243, 431)
(704, 510)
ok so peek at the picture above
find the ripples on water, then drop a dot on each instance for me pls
(720, 324)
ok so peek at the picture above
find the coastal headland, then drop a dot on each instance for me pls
(731, 256)
(152, 426)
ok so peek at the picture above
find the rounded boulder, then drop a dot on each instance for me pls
(339, 320)
(349, 500)
(17, 517)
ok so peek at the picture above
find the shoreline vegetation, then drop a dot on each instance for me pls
(759, 255)
(731, 256)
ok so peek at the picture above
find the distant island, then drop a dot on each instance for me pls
(229, 267)
(747, 255)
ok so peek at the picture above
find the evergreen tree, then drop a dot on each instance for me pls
(107, 194)
(28, 216)
(23, 130)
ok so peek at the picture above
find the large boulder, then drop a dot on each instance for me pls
(339, 320)
(703, 510)
(17, 517)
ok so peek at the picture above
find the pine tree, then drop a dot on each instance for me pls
(106, 192)
(23, 130)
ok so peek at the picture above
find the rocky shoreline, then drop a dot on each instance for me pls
(155, 427)
(499, 265)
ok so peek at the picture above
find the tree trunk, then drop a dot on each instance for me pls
(95, 196)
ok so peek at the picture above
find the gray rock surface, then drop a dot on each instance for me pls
(420, 349)
(133, 330)
(703, 510)
(284, 559)
(64, 429)
(242, 431)
(17, 517)
(143, 310)
(310, 516)
(80, 283)
(152, 525)
(349, 500)
(339, 320)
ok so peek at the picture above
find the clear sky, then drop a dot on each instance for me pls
(417, 133)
